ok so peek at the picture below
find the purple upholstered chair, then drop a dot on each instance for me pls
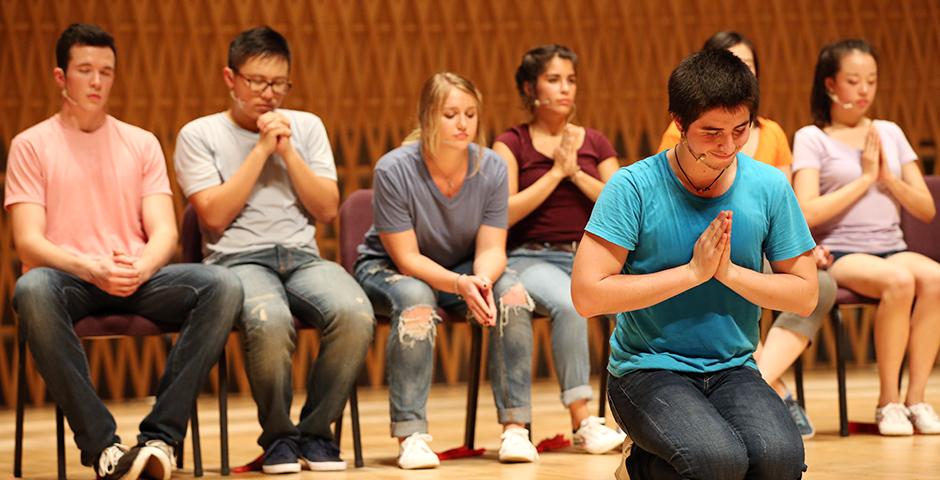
(922, 238)
(355, 218)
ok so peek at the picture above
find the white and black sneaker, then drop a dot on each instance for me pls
(161, 461)
(117, 462)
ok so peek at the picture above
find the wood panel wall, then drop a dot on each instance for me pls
(358, 64)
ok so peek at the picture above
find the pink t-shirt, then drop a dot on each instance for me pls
(92, 185)
(872, 223)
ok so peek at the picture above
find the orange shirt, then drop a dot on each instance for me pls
(772, 146)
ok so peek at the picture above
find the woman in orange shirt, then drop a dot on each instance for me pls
(790, 333)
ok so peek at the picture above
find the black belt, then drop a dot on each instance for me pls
(570, 247)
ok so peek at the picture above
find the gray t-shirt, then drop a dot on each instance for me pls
(209, 150)
(406, 198)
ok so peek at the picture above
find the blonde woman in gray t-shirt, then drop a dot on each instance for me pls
(439, 240)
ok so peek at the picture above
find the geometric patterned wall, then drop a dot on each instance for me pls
(359, 64)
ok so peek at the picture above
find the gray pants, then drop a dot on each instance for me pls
(808, 326)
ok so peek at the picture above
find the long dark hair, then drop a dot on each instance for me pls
(533, 64)
(827, 66)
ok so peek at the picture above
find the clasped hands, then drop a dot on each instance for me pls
(275, 131)
(477, 291)
(711, 256)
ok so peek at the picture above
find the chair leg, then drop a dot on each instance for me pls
(473, 388)
(197, 447)
(338, 428)
(20, 407)
(357, 433)
(798, 378)
(179, 451)
(223, 411)
(840, 370)
(602, 392)
(60, 441)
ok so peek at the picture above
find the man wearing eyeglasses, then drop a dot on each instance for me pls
(258, 177)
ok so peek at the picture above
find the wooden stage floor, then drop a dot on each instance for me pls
(828, 455)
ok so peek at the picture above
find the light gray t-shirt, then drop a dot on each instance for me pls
(209, 150)
(872, 224)
(406, 198)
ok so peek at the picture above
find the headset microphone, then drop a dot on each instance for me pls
(835, 100)
(65, 95)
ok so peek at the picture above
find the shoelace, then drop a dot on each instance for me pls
(109, 459)
(894, 412)
(516, 434)
(924, 411)
(797, 414)
(164, 447)
(595, 425)
(413, 439)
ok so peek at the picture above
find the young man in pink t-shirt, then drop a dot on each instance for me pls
(94, 226)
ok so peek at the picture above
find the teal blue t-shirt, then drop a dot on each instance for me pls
(645, 210)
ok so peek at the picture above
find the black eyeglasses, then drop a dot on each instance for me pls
(280, 86)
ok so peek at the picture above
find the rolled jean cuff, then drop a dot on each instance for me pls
(406, 428)
(522, 415)
(583, 392)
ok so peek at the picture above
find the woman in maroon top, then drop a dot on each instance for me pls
(556, 171)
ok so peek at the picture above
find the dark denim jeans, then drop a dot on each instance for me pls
(281, 283)
(724, 425)
(410, 357)
(202, 300)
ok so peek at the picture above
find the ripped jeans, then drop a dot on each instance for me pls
(281, 283)
(410, 349)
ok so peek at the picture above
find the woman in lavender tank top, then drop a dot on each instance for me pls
(852, 176)
(556, 171)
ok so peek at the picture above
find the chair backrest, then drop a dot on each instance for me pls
(355, 218)
(191, 237)
(923, 237)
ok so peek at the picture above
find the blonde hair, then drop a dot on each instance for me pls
(433, 95)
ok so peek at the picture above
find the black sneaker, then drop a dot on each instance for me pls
(321, 455)
(281, 457)
(799, 417)
(117, 462)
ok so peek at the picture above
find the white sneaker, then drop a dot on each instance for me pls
(161, 461)
(595, 437)
(414, 452)
(892, 420)
(621, 473)
(108, 460)
(516, 447)
(118, 462)
(924, 418)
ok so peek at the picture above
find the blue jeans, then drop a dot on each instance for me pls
(202, 300)
(410, 350)
(546, 275)
(279, 284)
(724, 425)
